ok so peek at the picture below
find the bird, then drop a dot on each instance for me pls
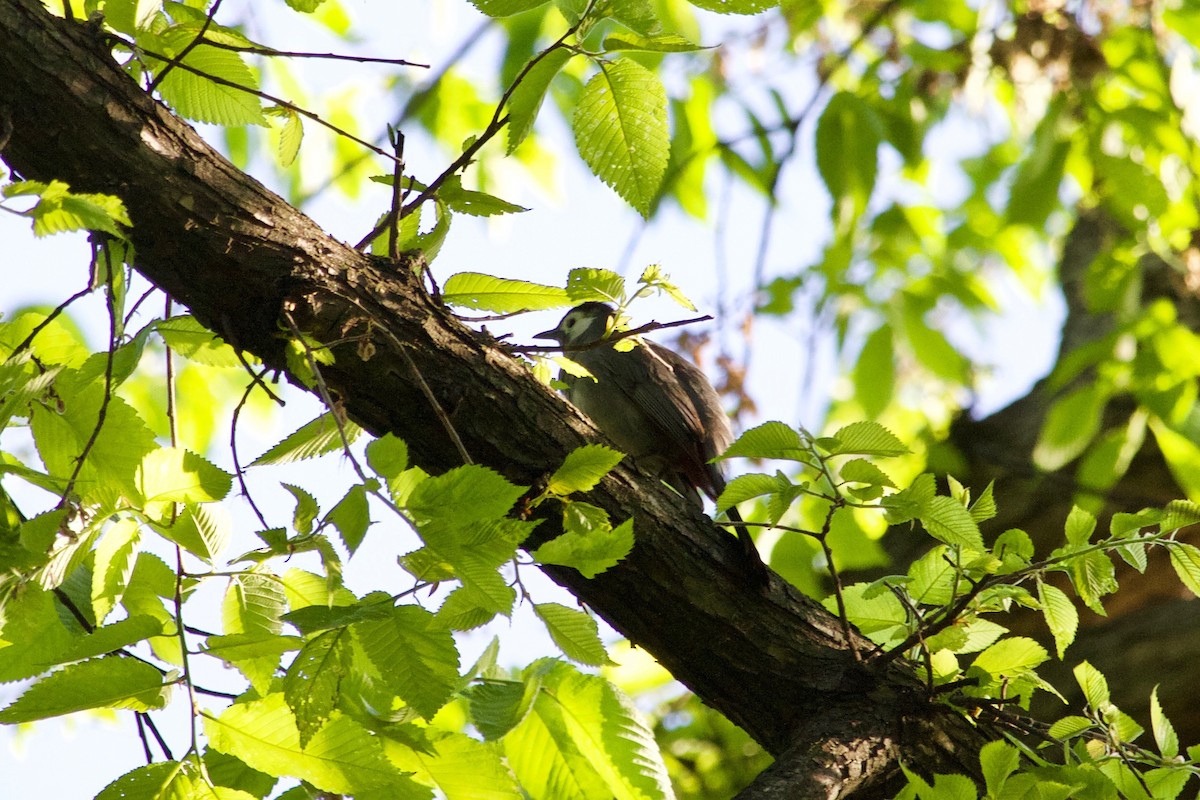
(656, 407)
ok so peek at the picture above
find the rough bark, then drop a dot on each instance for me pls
(247, 264)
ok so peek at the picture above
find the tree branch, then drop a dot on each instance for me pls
(771, 660)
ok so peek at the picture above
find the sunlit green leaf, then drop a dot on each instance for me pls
(575, 632)
(315, 438)
(620, 129)
(112, 682)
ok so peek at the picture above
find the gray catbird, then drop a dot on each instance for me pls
(656, 406)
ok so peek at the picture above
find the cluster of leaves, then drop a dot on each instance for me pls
(348, 694)
(619, 115)
(938, 614)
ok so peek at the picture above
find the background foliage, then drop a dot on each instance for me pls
(964, 156)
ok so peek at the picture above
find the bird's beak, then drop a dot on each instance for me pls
(553, 333)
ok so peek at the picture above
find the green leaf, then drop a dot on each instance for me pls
(526, 99)
(1070, 726)
(464, 495)
(746, 487)
(583, 738)
(473, 203)
(171, 475)
(859, 470)
(621, 132)
(187, 337)
(602, 285)
(506, 8)
(880, 617)
(131, 16)
(416, 658)
(1071, 424)
(1034, 192)
(659, 43)
(984, 508)
(113, 682)
(60, 210)
(150, 782)
(314, 679)
(1061, 617)
(575, 632)
(171, 780)
(945, 519)
(867, 439)
(254, 603)
(107, 638)
(499, 706)
(310, 619)
(1011, 658)
(501, 295)
(583, 468)
(113, 566)
(255, 655)
(388, 457)
(1185, 558)
(735, 6)
(587, 544)
(1094, 685)
(352, 516)
(342, 757)
(655, 278)
(306, 509)
(203, 530)
(770, 440)
(188, 89)
(848, 138)
(911, 501)
(314, 438)
(457, 766)
(1080, 526)
(1180, 514)
(998, 760)
(1164, 732)
(930, 345)
(462, 611)
(875, 372)
(291, 135)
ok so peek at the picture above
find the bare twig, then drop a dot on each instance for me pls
(238, 470)
(497, 123)
(271, 52)
(113, 343)
(279, 101)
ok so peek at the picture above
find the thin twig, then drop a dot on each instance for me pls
(279, 101)
(271, 52)
(141, 729)
(437, 407)
(415, 100)
(327, 399)
(162, 743)
(397, 139)
(41, 326)
(497, 123)
(113, 343)
(238, 470)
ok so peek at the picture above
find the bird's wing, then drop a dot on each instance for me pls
(669, 393)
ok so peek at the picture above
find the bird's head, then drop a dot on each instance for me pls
(583, 324)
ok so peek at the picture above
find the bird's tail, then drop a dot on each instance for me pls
(754, 562)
